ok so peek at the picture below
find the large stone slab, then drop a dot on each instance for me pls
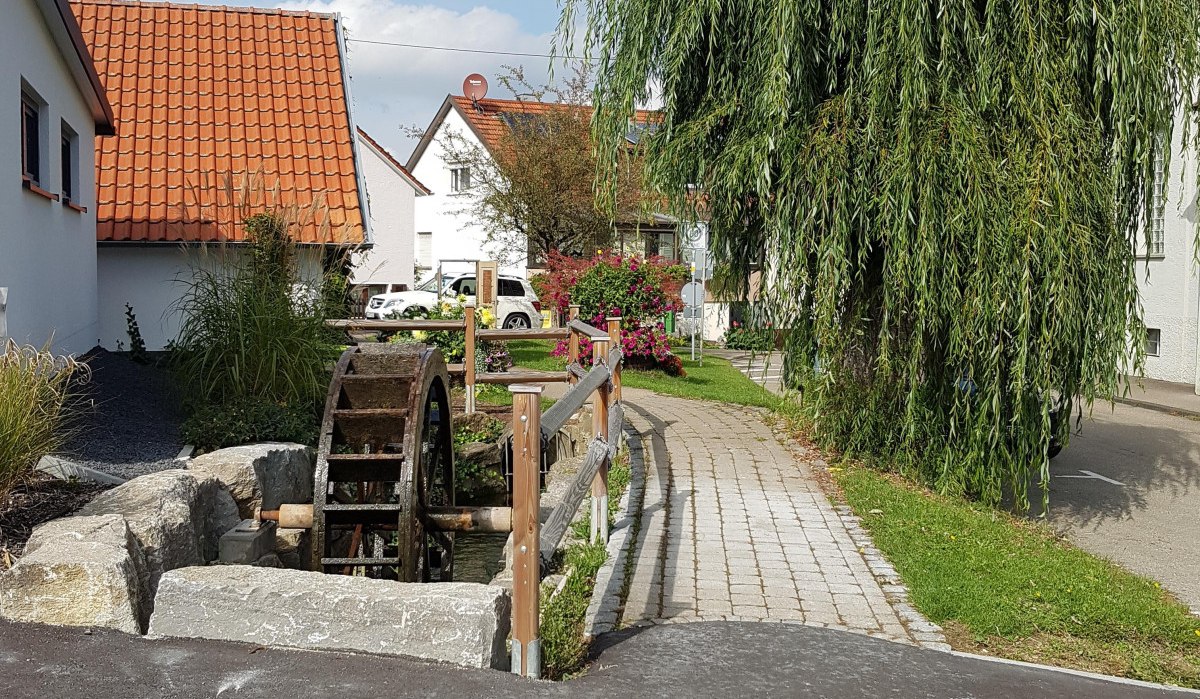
(177, 516)
(461, 623)
(263, 475)
(78, 571)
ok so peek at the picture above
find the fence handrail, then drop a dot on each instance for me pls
(397, 324)
(555, 527)
(557, 415)
(592, 332)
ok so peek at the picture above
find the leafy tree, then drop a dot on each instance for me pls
(534, 192)
(945, 198)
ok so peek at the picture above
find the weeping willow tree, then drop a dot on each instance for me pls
(945, 198)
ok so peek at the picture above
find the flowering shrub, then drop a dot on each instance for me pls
(640, 291)
(489, 356)
(741, 337)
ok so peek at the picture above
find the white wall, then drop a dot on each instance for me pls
(149, 278)
(390, 260)
(454, 235)
(47, 251)
(1170, 285)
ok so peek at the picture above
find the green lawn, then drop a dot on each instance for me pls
(1003, 585)
(716, 380)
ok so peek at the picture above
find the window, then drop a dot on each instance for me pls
(466, 286)
(1153, 342)
(425, 250)
(460, 179)
(70, 164)
(666, 245)
(511, 287)
(31, 138)
(1156, 243)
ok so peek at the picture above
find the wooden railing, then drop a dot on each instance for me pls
(534, 543)
(471, 378)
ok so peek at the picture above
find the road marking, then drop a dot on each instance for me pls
(1094, 476)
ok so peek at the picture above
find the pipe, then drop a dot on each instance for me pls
(491, 520)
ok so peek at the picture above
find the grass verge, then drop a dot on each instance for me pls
(716, 380)
(563, 648)
(1002, 585)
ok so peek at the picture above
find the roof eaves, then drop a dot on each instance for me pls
(430, 132)
(368, 234)
(64, 27)
(384, 153)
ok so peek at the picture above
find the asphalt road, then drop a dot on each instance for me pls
(679, 660)
(1128, 488)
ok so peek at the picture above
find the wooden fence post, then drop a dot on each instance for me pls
(599, 525)
(469, 358)
(527, 459)
(614, 340)
(573, 343)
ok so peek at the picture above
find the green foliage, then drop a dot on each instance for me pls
(563, 647)
(35, 387)
(743, 337)
(252, 337)
(452, 343)
(1008, 579)
(933, 192)
(248, 420)
(137, 346)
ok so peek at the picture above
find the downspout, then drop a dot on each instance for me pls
(363, 199)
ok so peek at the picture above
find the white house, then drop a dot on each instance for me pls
(1169, 278)
(194, 119)
(445, 231)
(392, 193)
(48, 213)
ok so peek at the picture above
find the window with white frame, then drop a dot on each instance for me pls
(69, 159)
(460, 178)
(33, 156)
(425, 249)
(1153, 342)
(1155, 243)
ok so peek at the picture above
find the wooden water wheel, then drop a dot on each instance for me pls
(385, 462)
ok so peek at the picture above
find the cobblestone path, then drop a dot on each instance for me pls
(734, 527)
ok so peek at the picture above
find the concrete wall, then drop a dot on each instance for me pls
(47, 251)
(1170, 284)
(390, 260)
(454, 235)
(150, 279)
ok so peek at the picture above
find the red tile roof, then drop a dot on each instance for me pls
(203, 94)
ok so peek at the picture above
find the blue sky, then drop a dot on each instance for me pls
(395, 87)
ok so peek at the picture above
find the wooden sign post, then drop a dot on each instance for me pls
(527, 459)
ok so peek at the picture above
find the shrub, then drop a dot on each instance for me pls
(248, 420)
(489, 356)
(640, 291)
(35, 387)
(741, 337)
(252, 336)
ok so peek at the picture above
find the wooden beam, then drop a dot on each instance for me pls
(600, 398)
(522, 376)
(402, 324)
(469, 357)
(527, 459)
(501, 334)
(573, 340)
(614, 340)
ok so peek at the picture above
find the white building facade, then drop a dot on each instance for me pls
(444, 228)
(392, 193)
(47, 201)
(1168, 277)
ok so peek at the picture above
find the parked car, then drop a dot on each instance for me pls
(517, 306)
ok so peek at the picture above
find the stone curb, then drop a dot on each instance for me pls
(1159, 407)
(65, 469)
(603, 611)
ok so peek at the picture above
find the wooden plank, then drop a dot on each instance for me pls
(522, 376)
(558, 414)
(614, 341)
(527, 577)
(573, 341)
(501, 334)
(400, 324)
(591, 331)
(556, 526)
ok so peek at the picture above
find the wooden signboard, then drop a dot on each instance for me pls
(486, 274)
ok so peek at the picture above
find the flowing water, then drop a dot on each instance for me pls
(477, 557)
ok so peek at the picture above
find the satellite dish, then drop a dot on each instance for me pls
(475, 87)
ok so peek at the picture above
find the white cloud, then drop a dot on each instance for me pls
(394, 86)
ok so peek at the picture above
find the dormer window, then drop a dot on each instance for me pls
(460, 179)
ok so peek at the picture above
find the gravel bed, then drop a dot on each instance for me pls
(129, 422)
